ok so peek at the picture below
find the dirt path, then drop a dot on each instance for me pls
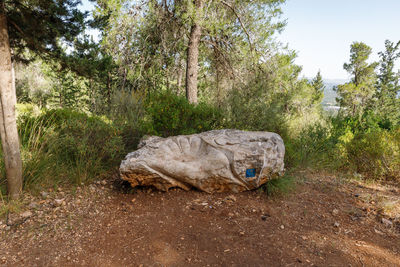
(324, 222)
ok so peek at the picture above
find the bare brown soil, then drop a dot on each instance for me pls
(323, 222)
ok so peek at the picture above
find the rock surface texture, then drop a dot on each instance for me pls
(213, 161)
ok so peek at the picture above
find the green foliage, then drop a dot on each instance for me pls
(149, 41)
(248, 113)
(168, 114)
(134, 78)
(79, 137)
(358, 66)
(355, 96)
(46, 85)
(318, 84)
(67, 89)
(32, 85)
(348, 144)
(127, 113)
(37, 162)
(279, 186)
(387, 103)
(39, 25)
(274, 99)
(64, 146)
(313, 147)
(375, 154)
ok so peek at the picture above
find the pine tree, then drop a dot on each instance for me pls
(39, 26)
(318, 84)
(387, 104)
(356, 95)
(152, 41)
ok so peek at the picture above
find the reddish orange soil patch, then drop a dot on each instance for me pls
(323, 222)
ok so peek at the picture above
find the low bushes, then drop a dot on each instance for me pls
(348, 145)
(313, 147)
(87, 145)
(162, 114)
(168, 114)
(63, 146)
(375, 154)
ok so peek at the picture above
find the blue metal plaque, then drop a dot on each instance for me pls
(250, 173)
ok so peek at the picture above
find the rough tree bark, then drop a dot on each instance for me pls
(193, 55)
(8, 123)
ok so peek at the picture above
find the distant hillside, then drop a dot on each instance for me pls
(329, 94)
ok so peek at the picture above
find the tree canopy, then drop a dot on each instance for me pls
(42, 26)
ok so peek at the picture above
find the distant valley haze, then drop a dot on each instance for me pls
(329, 94)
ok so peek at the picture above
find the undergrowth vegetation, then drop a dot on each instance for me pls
(169, 114)
(346, 145)
(79, 114)
(64, 146)
(70, 147)
(279, 186)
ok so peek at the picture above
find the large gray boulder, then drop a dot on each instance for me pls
(214, 161)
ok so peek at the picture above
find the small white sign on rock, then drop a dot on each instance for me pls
(213, 161)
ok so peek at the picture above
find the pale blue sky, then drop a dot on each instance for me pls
(87, 5)
(321, 31)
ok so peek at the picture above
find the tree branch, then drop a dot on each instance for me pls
(240, 21)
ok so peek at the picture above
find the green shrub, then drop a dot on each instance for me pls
(350, 145)
(375, 154)
(67, 146)
(279, 186)
(88, 144)
(249, 109)
(168, 114)
(37, 161)
(128, 113)
(27, 109)
(312, 147)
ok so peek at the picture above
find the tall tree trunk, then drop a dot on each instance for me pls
(193, 55)
(8, 123)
